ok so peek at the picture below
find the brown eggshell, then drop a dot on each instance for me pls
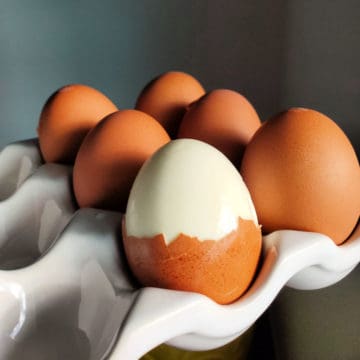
(303, 174)
(111, 156)
(221, 269)
(222, 118)
(166, 97)
(67, 117)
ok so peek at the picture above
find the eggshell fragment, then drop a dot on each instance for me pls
(111, 156)
(67, 117)
(223, 118)
(221, 269)
(166, 97)
(303, 174)
(190, 223)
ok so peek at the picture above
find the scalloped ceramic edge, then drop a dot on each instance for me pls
(74, 296)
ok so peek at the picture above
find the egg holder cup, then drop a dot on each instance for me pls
(66, 290)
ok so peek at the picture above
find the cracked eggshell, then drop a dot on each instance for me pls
(190, 223)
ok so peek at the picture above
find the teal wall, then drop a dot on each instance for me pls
(278, 53)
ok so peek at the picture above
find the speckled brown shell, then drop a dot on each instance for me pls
(303, 173)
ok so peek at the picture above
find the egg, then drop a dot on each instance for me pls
(166, 97)
(303, 174)
(111, 155)
(190, 223)
(223, 118)
(66, 118)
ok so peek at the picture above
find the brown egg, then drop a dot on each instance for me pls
(303, 174)
(166, 97)
(224, 119)
(111, 156)
(67, 117)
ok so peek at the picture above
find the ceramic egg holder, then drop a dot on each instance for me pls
(66, 291)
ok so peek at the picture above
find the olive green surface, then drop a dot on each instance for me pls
(238, 349)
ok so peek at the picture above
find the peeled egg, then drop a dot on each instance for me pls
(67, 117)
(166, 97)
(223, 118)
(190, 223)
(111, 156)
(303, 174)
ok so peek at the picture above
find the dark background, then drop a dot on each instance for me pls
(277, 53)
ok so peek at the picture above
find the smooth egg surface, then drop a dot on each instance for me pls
(303, 174)
(223, 118)
(167, 96)
(111, 156)
(67, 116)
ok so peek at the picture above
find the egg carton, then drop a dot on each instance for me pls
(66, 291)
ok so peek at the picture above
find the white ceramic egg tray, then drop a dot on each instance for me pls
(66, 292)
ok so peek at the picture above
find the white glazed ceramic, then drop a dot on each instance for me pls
(66, 292)
(32, 217)
(17, 162)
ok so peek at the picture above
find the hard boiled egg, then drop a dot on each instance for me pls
(190, 223)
